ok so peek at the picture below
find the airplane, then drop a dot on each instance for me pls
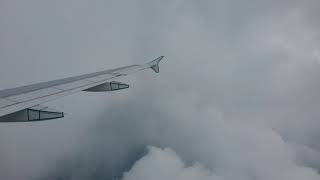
(23, 104)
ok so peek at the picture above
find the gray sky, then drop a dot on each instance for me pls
(237, 96)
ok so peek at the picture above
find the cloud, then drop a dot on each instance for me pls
(237, 96)
(232, 150)
(166, 164)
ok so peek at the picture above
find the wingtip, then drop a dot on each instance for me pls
(154, 65)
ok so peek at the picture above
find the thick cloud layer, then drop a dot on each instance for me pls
(237, 97)
(166, 164)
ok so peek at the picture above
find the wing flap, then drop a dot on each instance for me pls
(42, 99)
(5, 102)
(33, 95)
(129, 70)
(101, 78)
(72, 85)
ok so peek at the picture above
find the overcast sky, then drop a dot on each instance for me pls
(237, 97)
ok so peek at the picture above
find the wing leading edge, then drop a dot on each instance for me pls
(21, 100)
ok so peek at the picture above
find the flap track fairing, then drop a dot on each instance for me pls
(109, 86)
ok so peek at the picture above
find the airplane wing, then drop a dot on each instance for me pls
(23, 103)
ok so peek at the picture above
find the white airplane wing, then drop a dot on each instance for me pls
(22, 104)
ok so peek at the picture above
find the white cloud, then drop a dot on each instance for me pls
(160, 164)
(231, 150)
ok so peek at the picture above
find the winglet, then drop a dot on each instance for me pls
(154, 65)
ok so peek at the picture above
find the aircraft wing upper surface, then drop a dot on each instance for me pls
(22, 98)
